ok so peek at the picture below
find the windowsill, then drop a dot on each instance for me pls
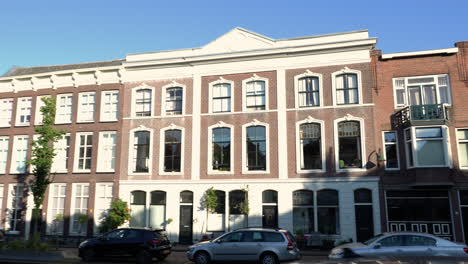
(310, 171)
(246, 110)
(308, 106)
(346, 105)
(351, 170)
(255, 172)
(63, 123)
(139, 174)
(108, 121)
(18, 172)
(171, 173)
(5, 125)
(84, 121)
(38, 124)
(60, 171)
(82, 171)
(222, 172)
(22, 125)
(105, 171)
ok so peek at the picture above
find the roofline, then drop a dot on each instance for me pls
(419, 53)
(325, 35)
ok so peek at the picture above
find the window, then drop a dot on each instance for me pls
(64, 109)
(327, 212)
(143, 102)
(221, 149)
(462, 137)
(421, 90)
(415, 241)
(141, 151)
(4, 145)
(109, 105)
(172, 150)
(216, 218)
(255, 95)
(62, 151)
(272, 237)
(308, 92)
(83, 152)
(138, 209)
(349, 144)
(86, 107)
(232, 237)
(303, 211)
(310, 146)
(173, 103)
(391, 150)
(1, 197)
(270, 208)
(256, 148)
(393, 241)
(104, 194)
(39, 104)
(347, 90)
(238, 199)
(221, 98)
(19, 155)
(57, 207)
(158, 210)
(23, 111)
(186, 197)
(80, 207)
(107, 151)
(6, 111)
(17, 206)
(426, 146)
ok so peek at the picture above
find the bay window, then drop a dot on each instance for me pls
(427, 146)
(421, 90)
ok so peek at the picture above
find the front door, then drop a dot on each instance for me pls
(185, 230)
(364, 222)
(270, 216)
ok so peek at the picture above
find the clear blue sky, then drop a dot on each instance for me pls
(46, 32)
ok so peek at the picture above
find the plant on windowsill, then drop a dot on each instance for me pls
(211, 200)
(119, 213)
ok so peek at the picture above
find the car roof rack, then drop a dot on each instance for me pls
(260, 227)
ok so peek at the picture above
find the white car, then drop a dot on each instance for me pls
(403, 244)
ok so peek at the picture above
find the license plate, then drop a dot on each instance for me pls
(166, 251)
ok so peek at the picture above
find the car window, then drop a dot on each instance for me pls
(253, 236)
(232, 237)
(419, 241)
(117, 234)
(273, 237)
(132, 233)
(393, 241)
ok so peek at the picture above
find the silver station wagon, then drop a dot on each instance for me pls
(269, 246)
(404, 244)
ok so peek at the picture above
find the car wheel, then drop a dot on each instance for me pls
(88, 255)
(162, 257)
(269, 258)
(202, 258)
(144, 257)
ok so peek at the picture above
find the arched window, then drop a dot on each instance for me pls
(238, 204)
(256, 148)
(311, 147)
(138, 209)
(172, 150)
(347, 90)
(349, 144)
(303, 211)
(308, 92)
(141, 151)
(186, 197)
(216, 219)
(143, 102)
(158, 210)
(270, 208)
(327, 212)
(221, 149)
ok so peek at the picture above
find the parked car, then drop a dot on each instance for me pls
(142, 243)
(267, 245)
(403, 244)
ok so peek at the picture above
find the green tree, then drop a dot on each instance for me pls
(43, 154)
(119, 213)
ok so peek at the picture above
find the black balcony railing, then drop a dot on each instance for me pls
(421, 115)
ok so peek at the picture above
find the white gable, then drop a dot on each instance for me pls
(237, 40)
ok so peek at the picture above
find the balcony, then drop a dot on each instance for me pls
(420, 115)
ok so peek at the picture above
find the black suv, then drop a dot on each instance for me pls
(142, 243)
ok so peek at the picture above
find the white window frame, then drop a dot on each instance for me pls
(77, 152)
(210, 148)
(211, 85)
(131, 151)
(359, 83)
(244, 92)
(11, 187)
(6, 112)
(73, 207)
(397, 149)
(50, 215)
(349, 117)
(58, 108)
(310, 120)
(162, 148)
(4, 142)
(2, 191)
(19, 112)
(458, 146)
(100, 202)
(306, 74)
(80, 116)
(436, 83)
(103, 155)
(38, 114)
(133, 106)
(173, 84)
(244, 147)
(14, 155)
(58, 146)
(446, 146)
(102, 114)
